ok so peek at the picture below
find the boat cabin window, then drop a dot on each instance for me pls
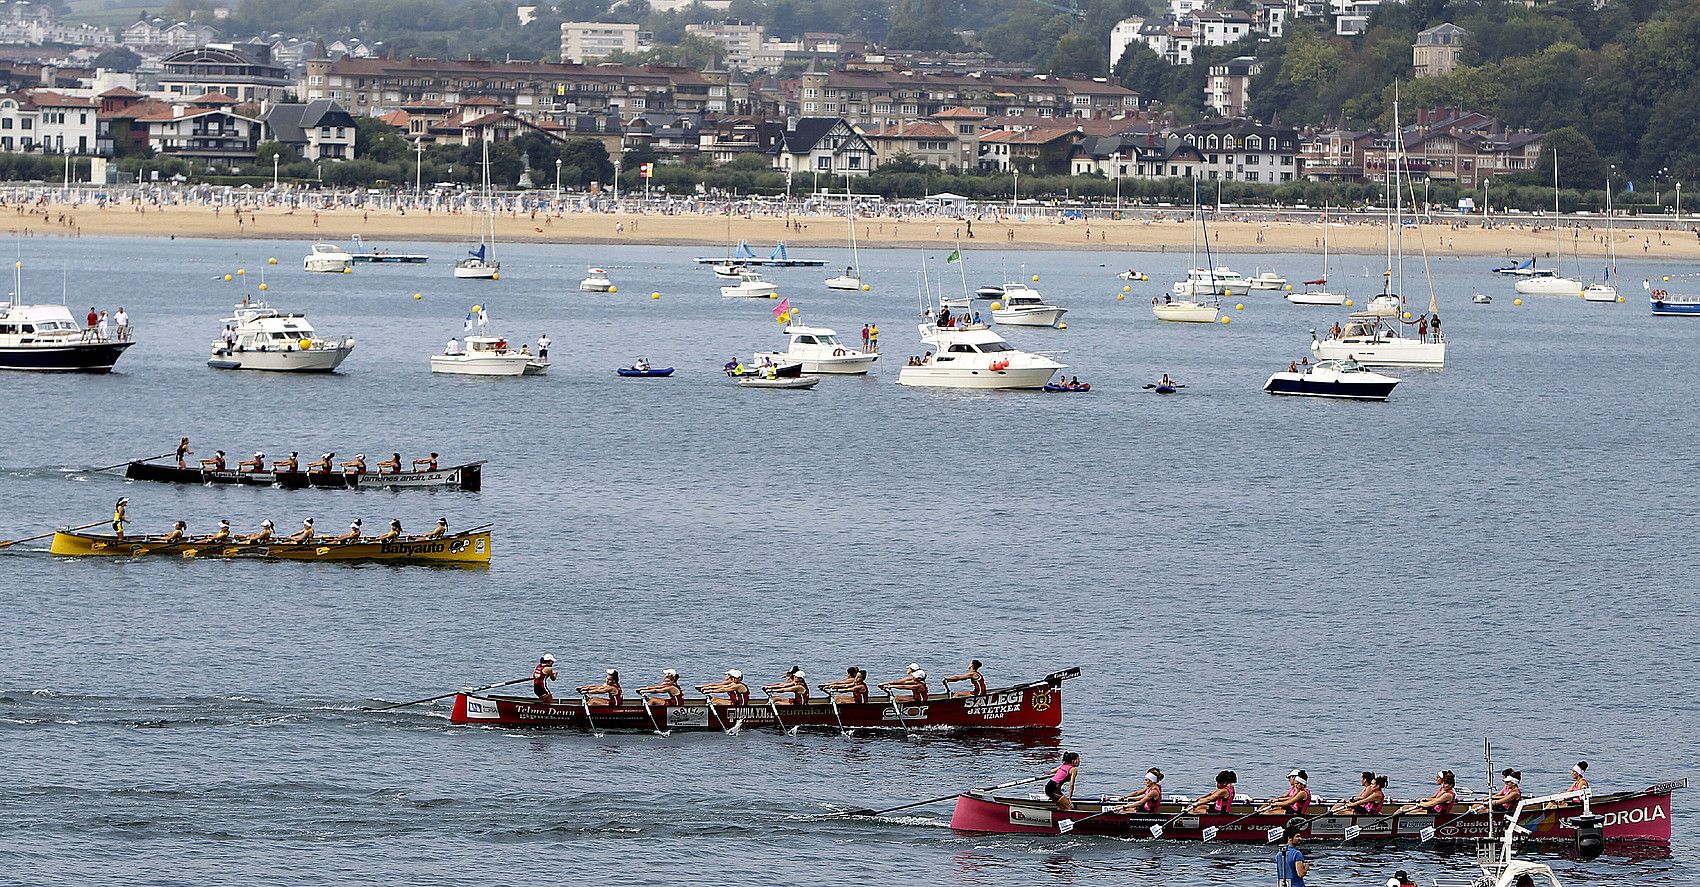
(8, 329)
(995, 347)
(29, 328)
(827, 340)
(805, 340)
(962, 349)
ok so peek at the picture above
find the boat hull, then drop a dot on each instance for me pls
(779, 382)
(1032, 707)
(1642, 816)
(391, 258)
(1548, 286)
(844, 283)
(964, 377)
(1683, 307)
(762, 291)
(1317, 298)
(1029, 317)
(77, 357)
(506, 365)
(477, 272)
(317, 360)
(327, 266)
(460, 548)
(1382, 352)
(1600, 292)
(468, 477)
(1302, 385)
(1185, 313)
(849, 364)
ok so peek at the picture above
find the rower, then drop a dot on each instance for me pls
(915, 684)
(248, 466)
(177, 531)
(668, 691)
(216, 463)
(287, 466)
(353, 534)
(1509, 795)
(356, 465)
(795, 683)
(305, 534)
(393, 533)
(222, 534)
(118, 516)
(1578, 781)
(1149, 798)
(609, 688)
(737, 692)
(426, 464)
(440, 530)
(1065, 775)
(1297, 799)
(264, 535)
(1441, 802)
(1370, 798)
(1166, 382)
(392, 465)
(1219, 800)
(854, 684)
(975, 680)
(322, 465)
(542, 675)
(183, 452)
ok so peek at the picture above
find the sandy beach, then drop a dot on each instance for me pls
(1349, 234)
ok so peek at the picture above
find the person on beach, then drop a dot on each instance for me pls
(1060, 787)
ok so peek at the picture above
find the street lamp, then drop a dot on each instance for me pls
(557, 180)
(616, 180)
(1015, 193)
(274, 170)
(1117, 160)
(418, 163)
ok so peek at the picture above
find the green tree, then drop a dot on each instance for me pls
(920, 24)
(1579, 164)
(118, 58)
(1077, 54)
(378, 141)
(285, 154)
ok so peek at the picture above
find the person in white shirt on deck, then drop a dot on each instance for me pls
(122, 320)
(453, 348)
(543, 344)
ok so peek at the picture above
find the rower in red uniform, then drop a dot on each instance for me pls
(1066, 775)
(1441, 802)
(356, 465)
(1297, 799)
(976, 681)
(915, 684)
(1370, 798)
(795, 683)
(609, 689)
(1147, 799)
(1510, 791)
(216, 463)
(668, 691)
(542, 675)
(735, 690)
(322, 465)
(249, 466)
(1578, 783)
(287, 466)
(392, 465)
(854, 684)
(426, 464)
(1219, 799)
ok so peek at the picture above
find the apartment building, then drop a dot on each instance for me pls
(591, 41)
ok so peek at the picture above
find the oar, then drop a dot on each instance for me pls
(652, 722)
(833, 697)
(709, 700)
(989, 788)
(1428, 832)
(1157, 830)
(1067, 825)
(1353, 831)
(789, 731)
(1277, 832)
(128, 461)
(49, 533)
(892, 695)
(585, 701)
(447, 695)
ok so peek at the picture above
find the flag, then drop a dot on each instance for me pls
(646, 170)
(469, 321)
(483, 317)
(954, 257)
(783, 308)
(1646, 284)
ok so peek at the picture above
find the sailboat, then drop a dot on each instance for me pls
(851, 279)
(481, 263)
(1316, 291)
(1374, 337)
(1197, 299)
(1606, 290)
(1555, 284)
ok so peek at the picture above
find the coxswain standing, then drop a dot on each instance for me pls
(392, 465)
(287, 466)
(305, 534)
(975, 680)
(915, 684)
(1149, 798)
(737, 692)
(249, 466)
(609, 688)
(353, 534)
(854, 685)
(264, 534)
(183, 452)
(392, 534)
(1369, 799)
(216, 463)
(439, 531)
(1441, 802)
(356, 465)
(427, 464)
(542, 675)
(1297, 799)
(795, 683)
(668, 690)
(322, 465)
(1219, 800)
(118, 512)
(177, 532)
(1060, 788)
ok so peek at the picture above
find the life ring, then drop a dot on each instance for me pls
(839, 352)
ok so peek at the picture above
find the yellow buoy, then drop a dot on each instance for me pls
(1061, 325)
(773, 295)
(1516, 301)
(997, 306)
(655, 295)
(866, 288)
(1239, 306)
(1348, 303)
(1667, 278)
(1289, 287)
(495, 275)
(241, 271)
(1407, 315)
(264, 287)
(1120, 296)
(20, 263)
(1035, 278)
(226, 277)
(1224, 320)
(1127, 289)
(272, 260)
(1227, 292)
(1620, 300)
(418, 296)
(613, 289)
(348, 270)
(477, 308)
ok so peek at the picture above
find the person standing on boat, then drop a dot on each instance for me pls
(289, 465)
(249, 466)
(976, 681)
(1369, 799)
(122, 321)
(542, 675)
(1297, 799)
(102, 328)
(183, 452)
(392, 465)
(874, 338)
(1220, 799)
(864, 332)
(794, 683)
(1060, 788)
(1147, 799)
(118, 516)
(1441, 802)
(543, 343)
(305, 534)
(92, 319)
(609, 689)
(1291, 867)
(668, 690)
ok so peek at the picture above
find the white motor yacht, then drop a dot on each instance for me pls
(46, 338)
(1211, 282)
(259, 337)
(596, 281)
(750, 285)
(1266, 280)
(487, 356)
(1023, 306)
(1340, 379)
(819, 351)
(972, 356)
(1377, 342)
(328, 258)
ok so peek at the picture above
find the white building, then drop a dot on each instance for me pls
(1220, 27)
(48, 123)
(589, 41)
(742, 41)
(1227, 88)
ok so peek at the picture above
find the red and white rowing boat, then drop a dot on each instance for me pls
(1033, 706)
(1641, 816)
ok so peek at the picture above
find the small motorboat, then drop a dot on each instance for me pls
(1482, 299)
(1023, 306)
(1267, 280)
(1057, 388)
(779, 382)
(1131, 274)
(645, 372)
(729, 270)
(1342, 379)
(989, 291)
(750, 285)
(596, 281)
(328, 259)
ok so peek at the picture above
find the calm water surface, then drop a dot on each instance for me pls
(1249, 582)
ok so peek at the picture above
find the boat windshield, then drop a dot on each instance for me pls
(827, 340)
(995, 347)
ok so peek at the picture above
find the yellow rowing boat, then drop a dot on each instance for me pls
(467, 547)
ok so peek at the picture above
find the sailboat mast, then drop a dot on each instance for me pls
(1399, 197)
(1557, 237)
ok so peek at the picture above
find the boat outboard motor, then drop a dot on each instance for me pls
(1590, 835)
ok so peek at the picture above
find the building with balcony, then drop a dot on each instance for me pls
(318, 130)
(590, 41)
(245, 73)
(1438, 50)
(1227, 88)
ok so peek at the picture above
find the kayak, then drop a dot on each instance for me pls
(466, 547)
(779, 382)
(1064, 389)
(634, 373)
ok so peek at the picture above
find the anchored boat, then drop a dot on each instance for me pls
(466, 547)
